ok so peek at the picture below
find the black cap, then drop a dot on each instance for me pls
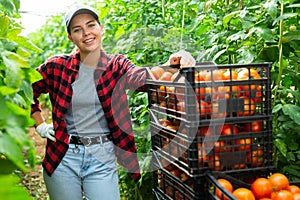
(79, 9)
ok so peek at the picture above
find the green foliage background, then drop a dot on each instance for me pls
(147, 32)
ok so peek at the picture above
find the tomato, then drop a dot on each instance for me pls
(249, 107)
(217, 112)
(279, 181)
(157, 72)
(200, 93)
(239, 166)
(297, 196)
(261, 188)
(243, 144)
(283, 195)
(205, 130)
(255, 157)
(243, 194)
(166, 76)
(176, 172)
(227, 185)
(255, 126)
(229, 129)
(204, 109)
(164, 122)
(211, 93)
(294, 189)
(221, 146)
(227, 92)
(214, 162)
(214, 75)
(230, 74)
(200, 76)
(248, 74)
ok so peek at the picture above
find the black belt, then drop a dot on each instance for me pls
(86, 141)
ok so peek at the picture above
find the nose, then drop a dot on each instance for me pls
(86, 31)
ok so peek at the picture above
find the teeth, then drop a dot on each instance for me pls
(89, 40)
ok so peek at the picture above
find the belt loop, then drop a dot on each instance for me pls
(100, 138)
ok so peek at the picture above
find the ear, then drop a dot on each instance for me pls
(70, 38)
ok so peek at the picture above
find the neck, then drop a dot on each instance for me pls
(90, 59)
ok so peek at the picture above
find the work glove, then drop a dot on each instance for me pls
(46, 131)
(182, 57)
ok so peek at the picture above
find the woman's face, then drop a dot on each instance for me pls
(85, 33)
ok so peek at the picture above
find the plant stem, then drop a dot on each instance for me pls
(280, 59)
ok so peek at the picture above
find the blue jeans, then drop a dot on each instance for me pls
(85, 171)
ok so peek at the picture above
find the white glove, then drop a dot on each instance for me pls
(46, 131)
(186, 59)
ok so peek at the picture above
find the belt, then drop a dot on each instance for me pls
(87, 141)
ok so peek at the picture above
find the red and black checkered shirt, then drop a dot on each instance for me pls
(113, 75)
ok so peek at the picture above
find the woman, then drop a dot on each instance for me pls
(91, 120)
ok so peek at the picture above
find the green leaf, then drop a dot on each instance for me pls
(10, 188)
(290, 156)
(27, 89)
(294, 170)
(4, 90)
(271, 7)
(4, 21)
(284, 16)
(276, 108)
(280, 144)
(293, 35)
(13, 36)
(12, 151)
(293, 112)
(265, 33)
(228, 17)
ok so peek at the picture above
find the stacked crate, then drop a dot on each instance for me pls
(209, 118)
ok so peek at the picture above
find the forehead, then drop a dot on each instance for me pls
(81, 19)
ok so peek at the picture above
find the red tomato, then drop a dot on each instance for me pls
(229, 129)
(261, 188)
(255, 126)
(204, 109)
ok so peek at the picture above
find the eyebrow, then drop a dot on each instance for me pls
(93, 20)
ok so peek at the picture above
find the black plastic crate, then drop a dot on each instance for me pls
(192, 96)
(168, 185)
(187, 125)
(230, 147)
(173, 183)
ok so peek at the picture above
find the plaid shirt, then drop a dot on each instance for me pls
(113, 75)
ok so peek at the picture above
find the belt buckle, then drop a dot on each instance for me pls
(89, 142)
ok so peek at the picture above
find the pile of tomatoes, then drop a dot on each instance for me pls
(208, 97)
(274, 187)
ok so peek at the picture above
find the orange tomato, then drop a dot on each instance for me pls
(297, 196)
(283, 195)
(166, 76)
(215, 75)
(261, 188)
(230, 74)
(294, 189)
(227, 185)
(157, 72)
(243, 194)
(249, 107)
(248, 74)
(279, 181)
